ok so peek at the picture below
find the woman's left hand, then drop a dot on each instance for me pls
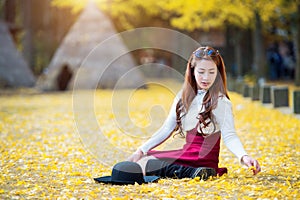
(136, 156)
(252, 163)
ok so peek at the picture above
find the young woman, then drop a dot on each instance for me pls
(202, 113)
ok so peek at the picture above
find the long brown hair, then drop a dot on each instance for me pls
(189, 90)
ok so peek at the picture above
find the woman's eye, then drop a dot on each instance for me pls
(200, 72)
(212, 72)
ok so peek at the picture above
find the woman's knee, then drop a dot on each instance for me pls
(143, 162)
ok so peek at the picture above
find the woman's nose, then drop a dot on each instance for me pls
(205, 76)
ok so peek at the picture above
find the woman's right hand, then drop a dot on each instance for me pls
(136, 156)
(252, 163)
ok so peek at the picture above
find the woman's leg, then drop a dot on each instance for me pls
(143, 161)
(164, 169)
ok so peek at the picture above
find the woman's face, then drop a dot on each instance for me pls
(205, 73)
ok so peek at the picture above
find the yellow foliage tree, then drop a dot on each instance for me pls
(191, 15)
(188, 14)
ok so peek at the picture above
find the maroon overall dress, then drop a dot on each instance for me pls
(198, 151)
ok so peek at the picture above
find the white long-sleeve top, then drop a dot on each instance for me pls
(222, 117)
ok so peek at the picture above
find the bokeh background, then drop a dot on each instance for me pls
(258, 39)
(56, 136)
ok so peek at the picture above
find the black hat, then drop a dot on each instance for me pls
(126, 173)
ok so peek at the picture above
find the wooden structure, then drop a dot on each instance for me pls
(88, 58)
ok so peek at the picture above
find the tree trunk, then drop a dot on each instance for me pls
(296, 35)
(2, 9)
(238, 52)
(10, 11)
(258, 48)
(28, 39)
(179, 63)
(9, 16)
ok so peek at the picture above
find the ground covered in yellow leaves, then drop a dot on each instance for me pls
(46, 155)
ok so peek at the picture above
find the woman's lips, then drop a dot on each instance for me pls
(205, 83)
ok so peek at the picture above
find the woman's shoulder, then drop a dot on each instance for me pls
(223, 99)
(223, 106)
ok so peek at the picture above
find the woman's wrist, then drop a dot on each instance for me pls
(242, 158)
(140, 152)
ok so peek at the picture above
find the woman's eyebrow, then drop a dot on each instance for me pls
(210, 69)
